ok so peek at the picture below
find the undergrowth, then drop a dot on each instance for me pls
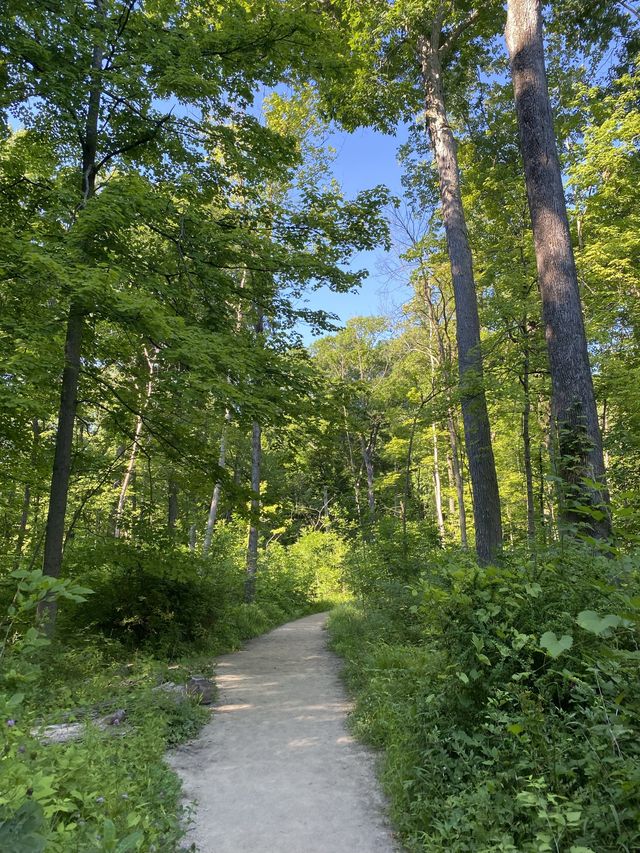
(132, 618)
(506, 699)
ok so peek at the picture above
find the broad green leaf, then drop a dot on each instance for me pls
(553, 646)
(590, 621)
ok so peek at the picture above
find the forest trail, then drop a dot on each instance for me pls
(276, 770)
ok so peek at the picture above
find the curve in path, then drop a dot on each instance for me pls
(276, 770)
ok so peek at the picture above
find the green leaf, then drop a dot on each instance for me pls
(131, 842)
(553, 646)
(21, 833)
(590, 621)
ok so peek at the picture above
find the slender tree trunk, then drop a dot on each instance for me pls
(217, 489)
(580, 462)
(458, 478)
(367, 454)
(407, 478)
(452, 486)
(173, 506)
(252, 546)
(59, 491)
(445, 363)
(26, 500)
(488, 527)
(526, 442)
(437, 490)
(543, 522)
(605, 412)
(135, 449)
(356, 478)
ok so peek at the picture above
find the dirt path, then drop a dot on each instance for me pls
(276, 770)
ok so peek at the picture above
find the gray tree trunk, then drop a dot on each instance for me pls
(252, 546)
(488, 526)
(526, 442)
(217, 489)
(437, 489)
(135, 449)
(457, 477)
(26, 500)
(452, 485)
(580, 462)
(173, 506)
(367, 458)
(59, 491)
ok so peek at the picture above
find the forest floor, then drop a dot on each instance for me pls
(276, 770)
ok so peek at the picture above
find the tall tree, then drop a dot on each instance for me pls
(580, 459)
(486, 497)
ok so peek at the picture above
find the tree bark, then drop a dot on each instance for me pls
(457, 477)
(252, 546)
(131, 466)
(367, 458)
(452, 485)
(488, 526)
(526, 442)
(173, 506)
(59, 491)
(444, 357)
(580, 462)
(217, 489)
(437, 490)
(26, 500)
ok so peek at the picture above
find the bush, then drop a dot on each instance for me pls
(509, 707)
(306, 573)
(146, 596)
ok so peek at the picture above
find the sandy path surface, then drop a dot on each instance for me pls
(276, 770)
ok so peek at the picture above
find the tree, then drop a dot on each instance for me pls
(408, 44)
(580, 459)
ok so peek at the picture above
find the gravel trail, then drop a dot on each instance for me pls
(276, 770)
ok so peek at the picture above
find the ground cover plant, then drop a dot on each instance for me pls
(505, 698)
(140, 626)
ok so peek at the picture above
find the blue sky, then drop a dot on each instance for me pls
(364, 159)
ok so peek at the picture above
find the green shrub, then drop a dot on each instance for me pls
(111, 791)
(509, 707)
(147, 596)
(309, 571)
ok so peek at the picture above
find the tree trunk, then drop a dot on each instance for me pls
(135, 449)
(488, 527)
(452, 486)
(217, 489)
(458, 479)
(173, 507)
(526, 441)
(26, 500)
(543, 523)
(252, 546)
(580, 462)
(367, 458)
(437, 490)
(59, 491)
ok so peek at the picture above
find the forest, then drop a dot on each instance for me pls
(195, 448)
